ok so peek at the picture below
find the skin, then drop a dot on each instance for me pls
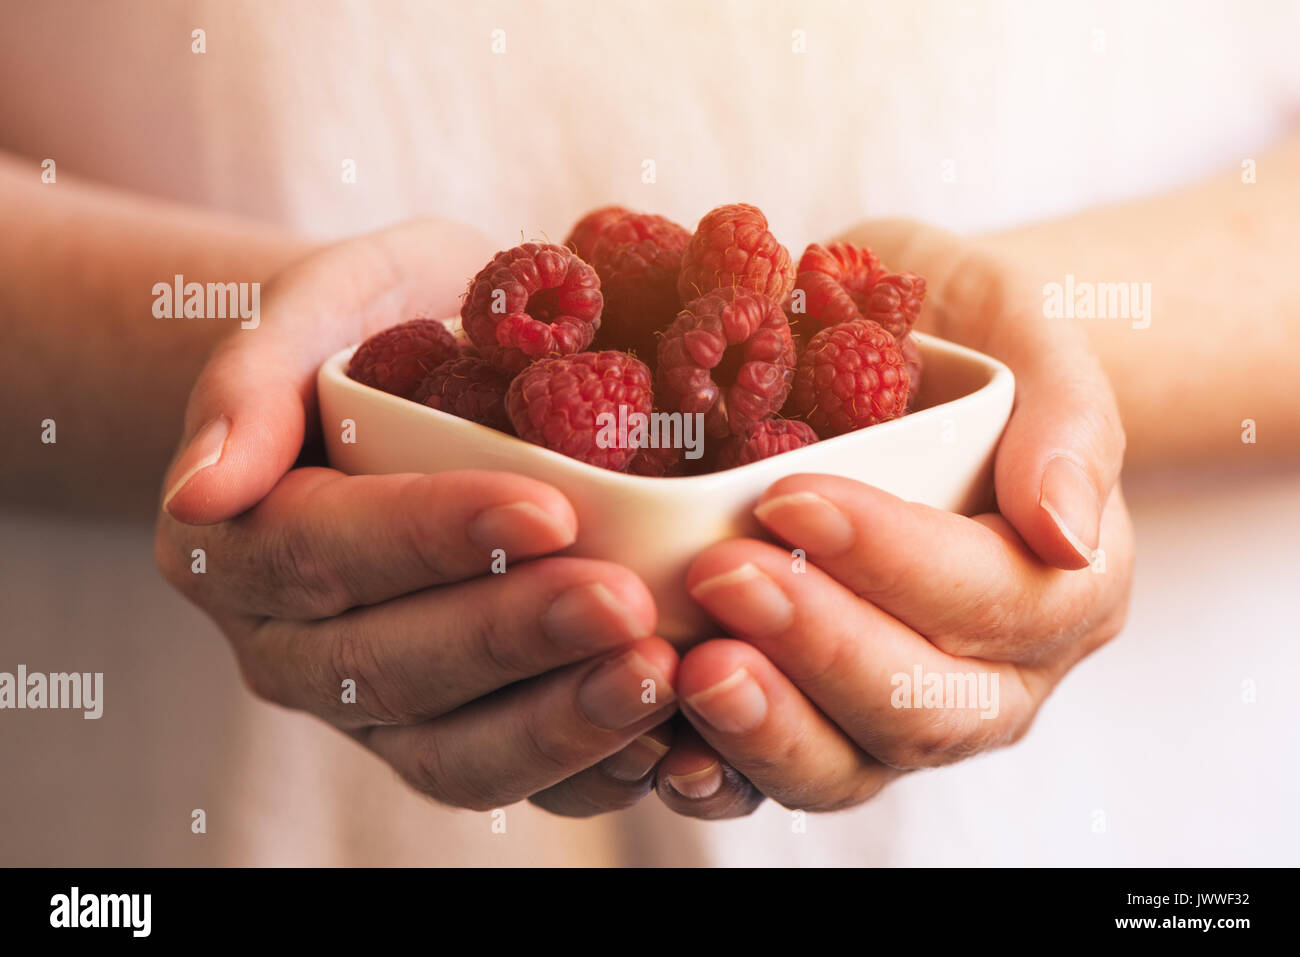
(796, 710)
(307, 566)
(479, 689)
(798, 699)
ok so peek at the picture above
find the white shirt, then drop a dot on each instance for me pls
(1173, 745)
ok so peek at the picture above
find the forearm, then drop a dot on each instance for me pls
(1223, 339)
(83, 347)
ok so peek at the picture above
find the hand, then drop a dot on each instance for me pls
(367, 600)
(813, 704)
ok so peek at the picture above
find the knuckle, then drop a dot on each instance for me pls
(501, 654)
(840, 656)
(552, 747)
(979, 624)
(296, 566)
(433, 777)
(773, 762)
(973, 287)
(352, 656)
(427, 773)
(934, 743)
(885, 582)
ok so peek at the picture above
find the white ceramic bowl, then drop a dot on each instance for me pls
(940, 455)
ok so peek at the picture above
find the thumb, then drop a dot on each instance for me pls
(1060, 456)
(244, 428)
(250, 408)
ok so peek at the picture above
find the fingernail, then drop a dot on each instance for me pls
(809, 521)
(698, 784)
(204, 450)
(746, 600)
(519, 528)
(734, 705)
(615, 694)
(636, 760)
(1069, 497)
(589, 617)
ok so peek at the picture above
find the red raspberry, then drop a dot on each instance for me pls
(638, 259)
(767, 438)
(728, 355)
(911, 356)
(832, 279)
(557, 403)
(852, 375)
(397, 359)
(470, 388)
(533, 301)
(657, 463)
(895, 302)
(587, 230)
(842, 282)
(733, 247)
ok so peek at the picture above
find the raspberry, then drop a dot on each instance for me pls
(558, 403)
(587, 230)
(657, 463)
(832, 279)
(728, 355)
(638, 259)
(895, 302)
(397, 359)
(470, 388)
(767, 438)
(733, 247)
(842, 282)
(852, 375)
(912, 357)
(533, 301)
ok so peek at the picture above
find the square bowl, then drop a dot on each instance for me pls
(941, 455)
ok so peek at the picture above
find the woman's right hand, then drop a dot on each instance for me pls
(370, 601)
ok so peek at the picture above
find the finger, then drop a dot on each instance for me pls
(422, 655)
(323, 542)
(506, 747)
(618, 782)
(997, 600)
(694, 781)
(850, 658)
(766, 729)
(244, 427)
(1061, 454)
(252, 404)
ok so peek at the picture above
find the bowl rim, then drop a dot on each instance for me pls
(1000, 376)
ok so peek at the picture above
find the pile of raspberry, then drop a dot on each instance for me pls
(568, 346)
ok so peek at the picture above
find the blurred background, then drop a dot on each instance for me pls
(1173, 745)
